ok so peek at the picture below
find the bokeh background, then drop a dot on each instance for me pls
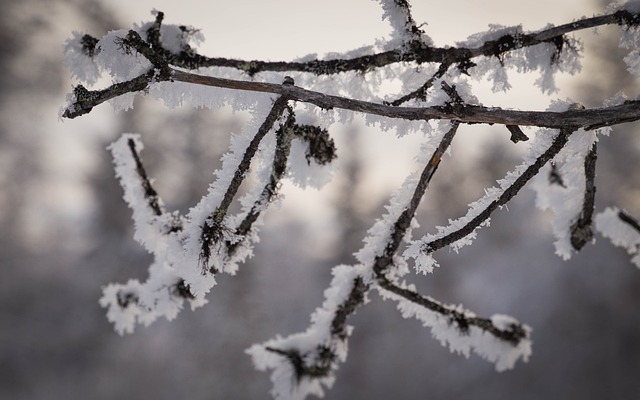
(65, 230)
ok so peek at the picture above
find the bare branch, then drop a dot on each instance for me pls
(421, 92)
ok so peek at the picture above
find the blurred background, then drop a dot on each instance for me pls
(66, 231)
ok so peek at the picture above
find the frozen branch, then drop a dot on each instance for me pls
(468, 113)
(581, 231)
(460, 56)
(149, 192)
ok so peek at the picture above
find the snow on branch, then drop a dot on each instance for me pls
(161, 61)
(622, 229)
(567, 188)
(405, 30)
(500, 339)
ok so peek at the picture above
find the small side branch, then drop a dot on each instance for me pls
(629, 220)
(421, 92)
(516, 134)
(513, 334)
(149, 192)
(83, 100)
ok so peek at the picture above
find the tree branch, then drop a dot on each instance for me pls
(629, 220)
(581, 230)
(149, 192)
(589, 118)
(420, 54)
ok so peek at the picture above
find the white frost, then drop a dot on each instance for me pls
(621, 234)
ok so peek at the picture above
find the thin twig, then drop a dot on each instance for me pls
(420, 93)
(629, 220)
(325, 356)
(581, 230)
(149, 192)
(513, 335)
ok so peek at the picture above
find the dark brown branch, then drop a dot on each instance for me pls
(581, 230)
(150, 193)
(629, 220)
(85, 99)
(154, 55)
(513, 335)
(558, 143)
(588, 118)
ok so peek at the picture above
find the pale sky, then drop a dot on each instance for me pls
(272, 29)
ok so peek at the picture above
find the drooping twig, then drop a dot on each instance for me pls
(581, 230)
(322, 362)
(513, 334)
